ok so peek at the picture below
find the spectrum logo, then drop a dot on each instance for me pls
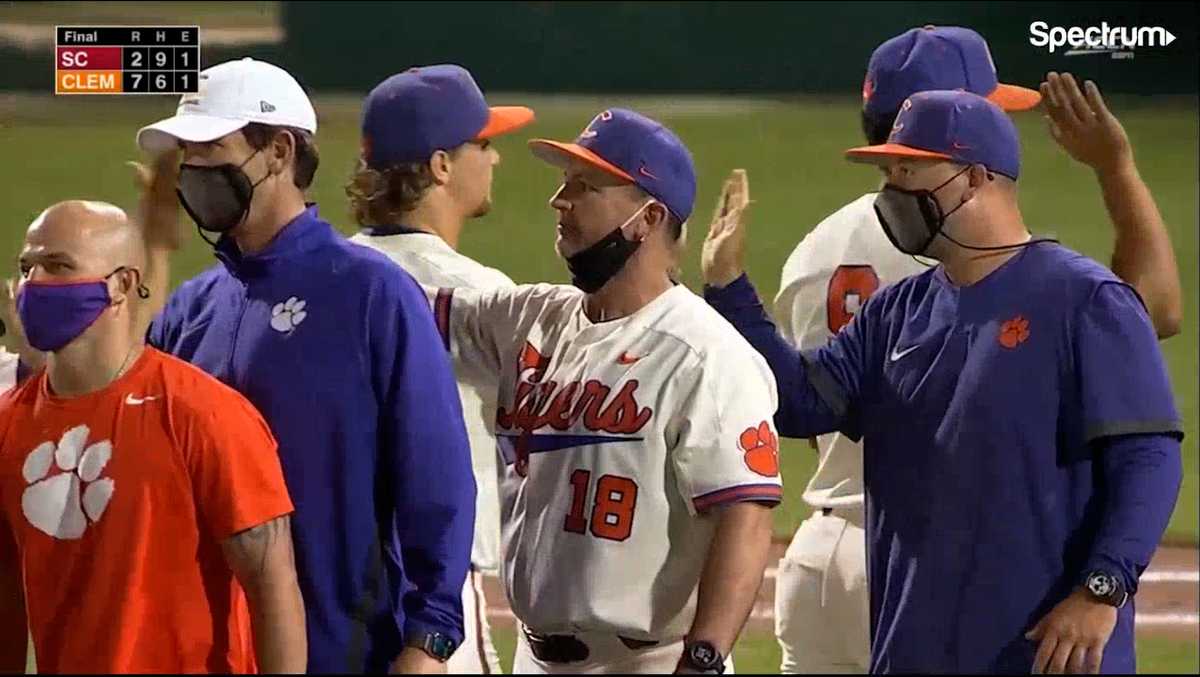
(1120, 41)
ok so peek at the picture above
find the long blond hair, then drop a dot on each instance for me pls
(382, 196)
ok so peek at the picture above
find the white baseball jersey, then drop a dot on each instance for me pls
(8, 369)
(616, 437)
(833, 270)
(434, 263)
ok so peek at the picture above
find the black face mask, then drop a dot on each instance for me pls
(911, 219)
(591, 268)
(216, 197)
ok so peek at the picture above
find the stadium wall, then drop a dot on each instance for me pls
(722, 47)
(665, 47)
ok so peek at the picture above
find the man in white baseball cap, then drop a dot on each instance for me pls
(277, 123)
(336, 347)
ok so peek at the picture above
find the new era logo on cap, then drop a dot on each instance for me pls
(266, 107)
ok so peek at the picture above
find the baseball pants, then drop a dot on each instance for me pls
(477, 655)
(821, 602)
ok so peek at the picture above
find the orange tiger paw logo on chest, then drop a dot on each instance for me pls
(1014, 332)
(762, 449)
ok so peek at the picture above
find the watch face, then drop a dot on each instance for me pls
(441, 646)
(703, 654)
(1101, 585)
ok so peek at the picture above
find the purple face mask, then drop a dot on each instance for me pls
(55, 313)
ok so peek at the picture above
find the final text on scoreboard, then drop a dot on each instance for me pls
(126, 59)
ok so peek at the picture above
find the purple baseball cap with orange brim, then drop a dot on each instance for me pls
(411, 114)
(952, 126)
(634, 148)
(937, 58)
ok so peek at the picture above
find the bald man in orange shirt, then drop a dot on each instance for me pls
(144, 520)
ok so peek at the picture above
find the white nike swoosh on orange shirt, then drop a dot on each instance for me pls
(130, 399)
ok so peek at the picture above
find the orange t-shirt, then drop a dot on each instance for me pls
(116, 504)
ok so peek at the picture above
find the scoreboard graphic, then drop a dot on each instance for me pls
(126, 59)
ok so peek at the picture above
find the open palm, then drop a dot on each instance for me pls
(1081, 123)
(723, 255)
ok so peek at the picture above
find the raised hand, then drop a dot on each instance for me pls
(723, 255)
(158, 206)
(158, 216)
(1081, 123)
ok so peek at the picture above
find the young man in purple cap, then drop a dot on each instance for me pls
(821, 607)
(1020, 439)
(335, 346)
(634, 425)
(426, 169)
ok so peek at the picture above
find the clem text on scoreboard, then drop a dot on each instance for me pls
(126, 59)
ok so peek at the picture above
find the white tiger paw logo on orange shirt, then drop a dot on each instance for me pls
(66, 492)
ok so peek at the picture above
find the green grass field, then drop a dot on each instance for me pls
(74, 147)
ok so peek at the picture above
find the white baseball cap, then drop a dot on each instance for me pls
(232, 95)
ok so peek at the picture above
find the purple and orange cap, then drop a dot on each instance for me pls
(937, 58)
(634, 148)
(411, 114)
(951, 126)
(940, 81)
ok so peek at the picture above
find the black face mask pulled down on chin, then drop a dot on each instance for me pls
(592, 267)
(216, 197)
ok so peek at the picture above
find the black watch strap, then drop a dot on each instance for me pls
(702, 656)
(438, 646)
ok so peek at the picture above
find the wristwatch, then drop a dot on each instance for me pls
(702, 656)
(439, 647)
(1106, 588)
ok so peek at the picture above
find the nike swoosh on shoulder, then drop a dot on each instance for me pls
(898, 354)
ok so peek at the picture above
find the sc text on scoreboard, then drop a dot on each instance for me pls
(126, 59)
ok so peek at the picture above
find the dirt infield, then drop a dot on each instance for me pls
(1167, 602)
